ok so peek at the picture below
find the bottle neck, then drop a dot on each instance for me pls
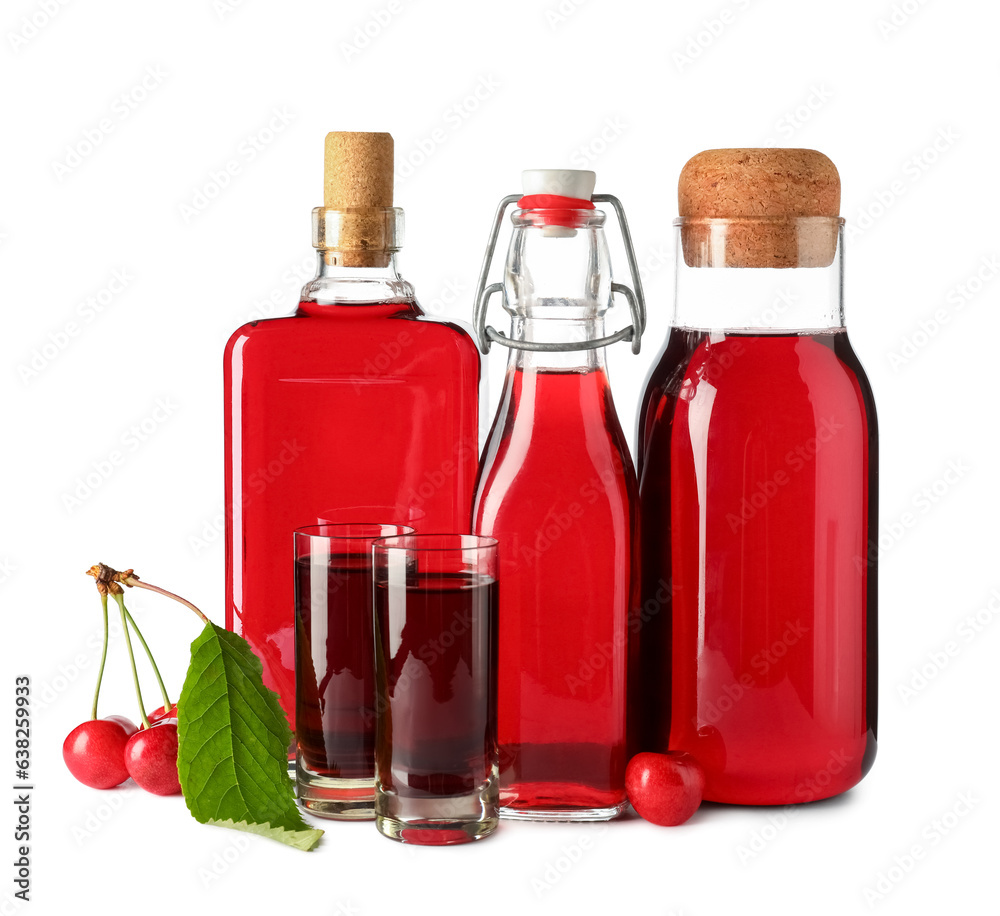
(721, 285)
(338, 284)
(560, 331)
(557, 288)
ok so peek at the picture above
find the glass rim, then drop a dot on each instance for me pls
(427, 542)
(351, 531)
(681, 221)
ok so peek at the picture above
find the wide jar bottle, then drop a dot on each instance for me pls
(758, 481)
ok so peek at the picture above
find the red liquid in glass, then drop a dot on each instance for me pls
(335, 699)
(437, 638)
(557, 490)
(758, 483)
(341, 407)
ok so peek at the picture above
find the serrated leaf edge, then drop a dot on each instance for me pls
(301, 839)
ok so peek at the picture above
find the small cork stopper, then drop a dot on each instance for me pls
(357, 170)
(358, 175)
(773, 187)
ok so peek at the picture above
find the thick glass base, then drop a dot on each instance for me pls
(563, 814)
(437, 820)
(339, 799)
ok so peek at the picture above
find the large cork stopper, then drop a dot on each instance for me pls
(357, 182)
(764, 192)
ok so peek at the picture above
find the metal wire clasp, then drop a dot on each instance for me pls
(486, 335)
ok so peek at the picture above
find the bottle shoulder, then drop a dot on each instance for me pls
(402, 344)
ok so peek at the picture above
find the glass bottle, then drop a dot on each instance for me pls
(557, 489)
(758, 481)
(356, 408)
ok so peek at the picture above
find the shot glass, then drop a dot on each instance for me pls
(335, 668)
(436, 759)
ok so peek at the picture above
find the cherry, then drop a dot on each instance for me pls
(151, 758)
(125, 722)
(95, 752)
(160, 713)
(665, 789)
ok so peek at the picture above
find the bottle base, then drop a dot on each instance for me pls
(337, 799)
(431, 832)
(572, 815)
(438, 820)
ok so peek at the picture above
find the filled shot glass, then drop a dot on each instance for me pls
(335, 668)
(436, 758)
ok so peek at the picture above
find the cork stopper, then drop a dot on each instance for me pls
(357, 183)
(764, 192)
(357, 170)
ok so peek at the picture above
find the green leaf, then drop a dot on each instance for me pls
(233, 744)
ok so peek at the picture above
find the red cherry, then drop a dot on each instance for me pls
(665, 789)
(125, 722)
(95, 753)
(160, 713)
(151, 758)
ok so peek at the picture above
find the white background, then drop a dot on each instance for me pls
(902, 96)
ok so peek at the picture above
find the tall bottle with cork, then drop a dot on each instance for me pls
(758, 481)
(557, 489)
(355, 408)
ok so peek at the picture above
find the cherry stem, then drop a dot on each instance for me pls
(138, 583)
(159, 680)
(131, 658)
(104, 655)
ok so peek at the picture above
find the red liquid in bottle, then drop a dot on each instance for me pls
(342, 407)
(437, 734)
(556, 489)
(758, 482)
(335, 700)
